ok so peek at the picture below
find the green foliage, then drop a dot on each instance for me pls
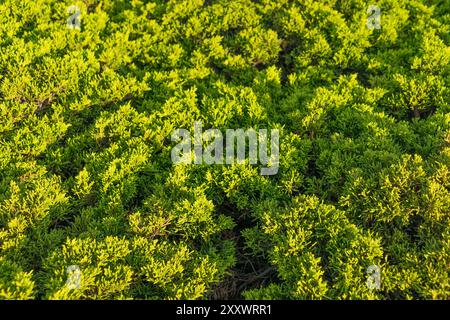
(86, 177)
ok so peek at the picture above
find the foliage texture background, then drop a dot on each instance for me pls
(86, 177)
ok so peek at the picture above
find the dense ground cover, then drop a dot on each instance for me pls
(86, 177)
